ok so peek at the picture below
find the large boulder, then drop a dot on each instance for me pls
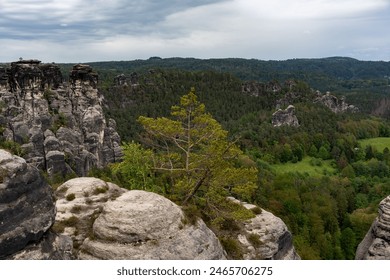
(376, 243)
(107, 222)
(336, 105)
(285, 117)
(265, 236)
(27, 212)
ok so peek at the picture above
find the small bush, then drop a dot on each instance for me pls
(191, 213)
(254, 239)
(257, 210)
(99, 190)
(71, 222)
(76, 209)
(58, 227)
(232, 247)
(70, 197)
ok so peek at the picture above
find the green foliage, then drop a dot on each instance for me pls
(348, 243)
(202, 167)
(193, 149)
(232, 247)
(254, 239)
(379, 143)
(70, 197)
(319, 178)
(308, 165)
(135, 169)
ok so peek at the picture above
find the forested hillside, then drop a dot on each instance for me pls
(364, 83)
(319, 177)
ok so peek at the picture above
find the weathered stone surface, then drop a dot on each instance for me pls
(107, 222)
(285, 117)
(27, 207)
(79, 202)
(376, 243)
(51, 247)
(335, 104)
(41, 108)
(123, 80)
(258, 89)
(143, 225)
(273, 241)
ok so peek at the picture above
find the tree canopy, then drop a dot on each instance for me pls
(194, 154)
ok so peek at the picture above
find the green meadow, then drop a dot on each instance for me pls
(379, 143)
(311, 166)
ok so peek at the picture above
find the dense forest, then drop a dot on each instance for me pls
(324, 178)
(364, 83)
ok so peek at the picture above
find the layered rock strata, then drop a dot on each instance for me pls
(376, 243)
(285, 117)
(265, 236)
(107, 222)
(336, 105)
(60, 125)
(27, 211)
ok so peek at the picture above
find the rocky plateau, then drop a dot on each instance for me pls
(87, 218)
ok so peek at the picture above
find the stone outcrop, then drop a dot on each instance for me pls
(265, 236)
(60, 125)
(27, 212)
(285, 117)
(335, 104)
(258, 89)
(130, 80)
(107, 222)
(93, 219)
(376, 243)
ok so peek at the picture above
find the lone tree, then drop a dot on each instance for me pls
(193, 150)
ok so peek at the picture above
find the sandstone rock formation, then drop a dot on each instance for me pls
(60, 126)
(335, 104)
(376, 243)
(285, 117)
(257, 89)
(27, 211)
(266, 237)
(106, 222)
(123, 80)
(99, 220)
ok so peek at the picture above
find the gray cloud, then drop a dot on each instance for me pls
(86, 30)
(63, 20)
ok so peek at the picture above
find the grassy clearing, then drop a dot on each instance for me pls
(322, 167)
(379, 143)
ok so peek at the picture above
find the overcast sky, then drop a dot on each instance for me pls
(101, 30)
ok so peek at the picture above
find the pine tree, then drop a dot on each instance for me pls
(193, 150)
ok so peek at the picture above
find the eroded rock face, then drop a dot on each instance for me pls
(61, 126)
(335, 104)
(285, 117)
(266, 237)
(258, 89)
(376, 243)
(27, 211)
(107, 222)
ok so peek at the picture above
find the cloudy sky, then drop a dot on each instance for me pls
(100, 30)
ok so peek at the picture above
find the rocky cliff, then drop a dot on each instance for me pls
(265, 236)
(376, 243)
(87, 218)
(107, 222)
(337, 105)
(285, 117)
(27, 212)
(60, 125)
